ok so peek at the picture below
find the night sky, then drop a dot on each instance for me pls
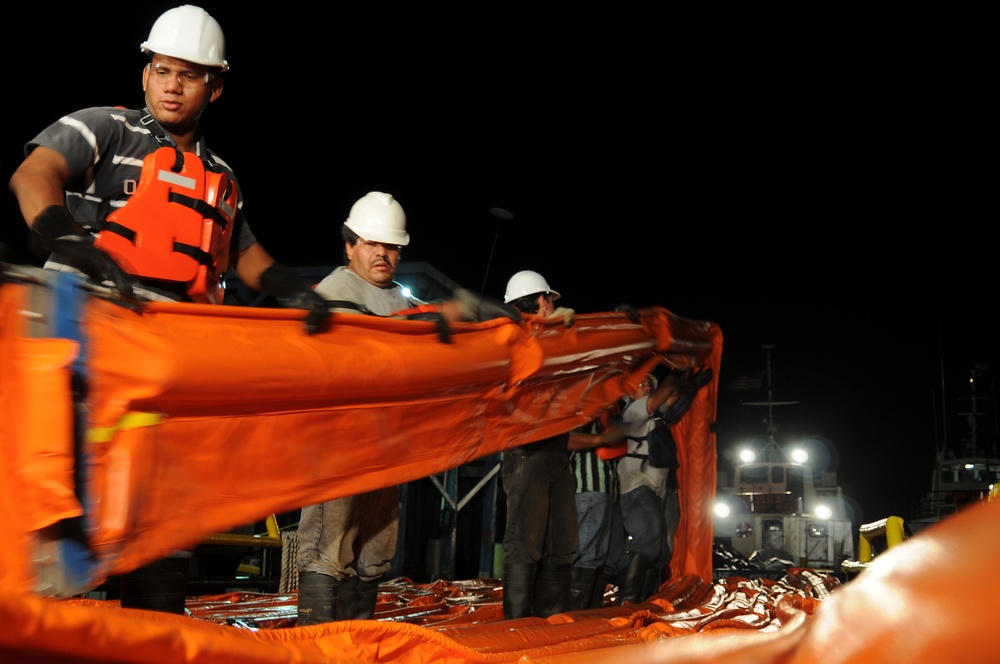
(819, 194)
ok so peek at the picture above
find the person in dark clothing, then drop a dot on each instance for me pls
(541, 538)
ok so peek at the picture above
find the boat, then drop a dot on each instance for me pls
(778, 510)
(964, 472)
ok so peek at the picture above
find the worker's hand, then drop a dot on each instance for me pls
(691, 382)
(294, 292)
(479, 308)
(309, 300)
(568, 315)
(613, 435)
(632, 312)
(61, 235)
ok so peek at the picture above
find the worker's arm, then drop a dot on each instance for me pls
(39, 182)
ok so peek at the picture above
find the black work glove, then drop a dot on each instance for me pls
(444, 332)
(294, 292)
(632, 312)
(690, 385)
(63, 236)
(478, 308)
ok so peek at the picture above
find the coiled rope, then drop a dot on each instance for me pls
(289, 579)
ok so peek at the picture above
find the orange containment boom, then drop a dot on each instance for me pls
(925, 601)
(207, 410)
(201, 417)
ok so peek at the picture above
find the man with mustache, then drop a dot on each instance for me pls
(346, 545)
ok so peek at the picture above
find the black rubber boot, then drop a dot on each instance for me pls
(356, 599)
(317, 599)
(581, 588)
(654, 579)
(633, 584)
(600, 585)
(552, 584)
(518, 590)
(159, 586)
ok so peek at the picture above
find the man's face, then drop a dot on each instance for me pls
(375, 262)
(178, 91)
(644, 388)
(545, 306)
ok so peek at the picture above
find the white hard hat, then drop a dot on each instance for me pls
(527, 282)
(380, 218)
(188, 33)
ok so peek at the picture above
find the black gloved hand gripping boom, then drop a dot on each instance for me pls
(63, 236)
(294, 292)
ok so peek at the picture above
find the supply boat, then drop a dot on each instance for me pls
(778, 511)
(965, 472)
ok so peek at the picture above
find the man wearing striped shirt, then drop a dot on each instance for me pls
(597, 491)
(87, 165)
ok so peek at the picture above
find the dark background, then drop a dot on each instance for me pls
(821, 188)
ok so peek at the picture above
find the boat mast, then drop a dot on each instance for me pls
(771, 451)
(972, 417)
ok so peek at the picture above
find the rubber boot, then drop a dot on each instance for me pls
(159, 586)
(356, 599)
(552, 584)
(654, 579)
(600, 585)
(518, 589)
(317, 598)
(634, 582)
(581, 588)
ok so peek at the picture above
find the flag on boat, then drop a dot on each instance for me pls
(750, 381)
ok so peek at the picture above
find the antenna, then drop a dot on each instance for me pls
(771, 449)
(972, 417)
(501, 215)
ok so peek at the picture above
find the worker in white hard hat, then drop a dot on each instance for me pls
(85, 166)
(346, 545)
(528, 292)
(541, 538)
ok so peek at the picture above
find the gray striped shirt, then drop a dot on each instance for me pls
(104, 147)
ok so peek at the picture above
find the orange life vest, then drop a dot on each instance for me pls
(177, 226)
(609, 452)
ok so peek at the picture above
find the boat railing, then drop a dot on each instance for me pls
(939, 504)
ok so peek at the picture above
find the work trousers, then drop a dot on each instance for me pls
(350, 536)
(541, 507)
(644, 516)
(593, 512)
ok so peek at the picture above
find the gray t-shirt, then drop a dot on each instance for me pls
(346, 285)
